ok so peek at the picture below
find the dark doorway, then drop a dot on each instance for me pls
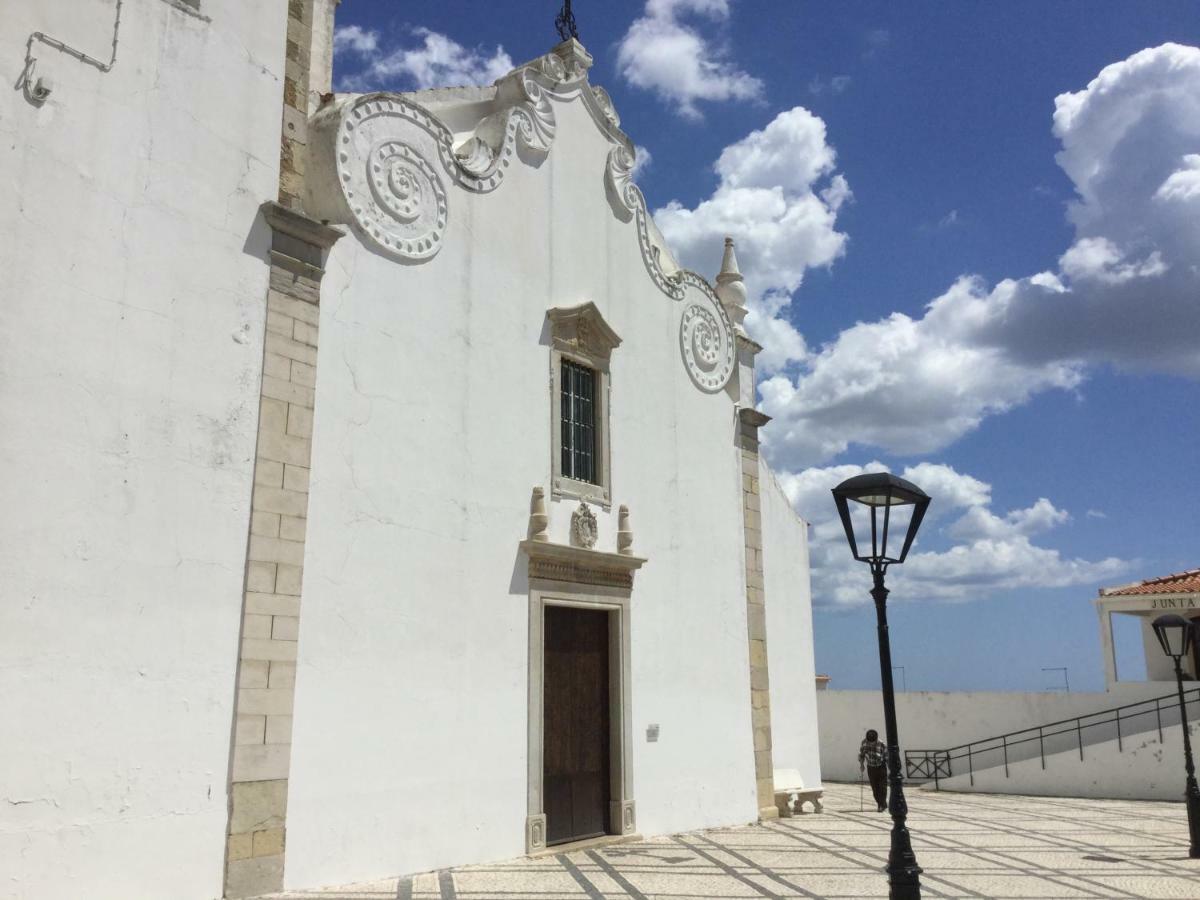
(575, 729)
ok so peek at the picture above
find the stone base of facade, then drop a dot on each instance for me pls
(535, 833)
(622, 817)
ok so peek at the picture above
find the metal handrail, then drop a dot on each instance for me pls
(938, 764)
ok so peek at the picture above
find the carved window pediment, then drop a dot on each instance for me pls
(581, 331)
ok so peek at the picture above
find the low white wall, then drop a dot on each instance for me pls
(1146, 769)
(790, 662)
(934, 720)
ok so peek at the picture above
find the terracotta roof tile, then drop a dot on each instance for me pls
(1180, 583)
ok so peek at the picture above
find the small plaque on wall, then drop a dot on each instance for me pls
(651, 734)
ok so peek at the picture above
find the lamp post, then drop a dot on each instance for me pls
(884, 491)
(1175, 634)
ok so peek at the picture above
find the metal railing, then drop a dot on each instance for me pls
(1120, 722)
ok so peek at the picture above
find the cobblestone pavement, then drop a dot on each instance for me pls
(970, 845)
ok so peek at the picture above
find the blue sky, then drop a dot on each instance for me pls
(1033, 167)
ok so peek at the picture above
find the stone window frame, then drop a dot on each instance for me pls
(622, 819)
(580, 334)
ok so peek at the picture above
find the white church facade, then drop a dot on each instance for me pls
(380, 494)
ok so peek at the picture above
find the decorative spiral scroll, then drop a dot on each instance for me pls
(706, 342)
(383, 142)
(394, 159)
(560, 70)
(535, 118)
(604, 101)
(619, 175)
(396, 196)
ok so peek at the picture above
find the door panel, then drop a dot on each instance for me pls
(575, 730)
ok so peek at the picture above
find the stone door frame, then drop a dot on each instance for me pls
(615, 602)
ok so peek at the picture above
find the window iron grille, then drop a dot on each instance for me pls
(578, 422)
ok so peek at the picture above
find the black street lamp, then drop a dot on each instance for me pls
(1175, 633)
(884, 491)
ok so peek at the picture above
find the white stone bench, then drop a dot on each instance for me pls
(791, 794)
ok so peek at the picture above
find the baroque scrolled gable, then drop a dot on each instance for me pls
(381, 162)
(387, 165)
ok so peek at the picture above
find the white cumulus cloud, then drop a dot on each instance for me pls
(663, 53)
(983, 551)
(366, 63)
(778, 195)
(642, 158)
(1126, 291)
(354, 38)
(1184, 183)
(908, 385)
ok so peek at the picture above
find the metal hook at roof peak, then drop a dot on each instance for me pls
(565, 22)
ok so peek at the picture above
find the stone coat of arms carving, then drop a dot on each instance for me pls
(584, 530)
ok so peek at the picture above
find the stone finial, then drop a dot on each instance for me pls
(538, 520)
(624, 532)
(731, 288)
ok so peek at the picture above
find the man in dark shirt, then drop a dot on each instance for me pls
(871, 755)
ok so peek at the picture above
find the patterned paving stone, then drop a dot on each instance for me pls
(970, 845)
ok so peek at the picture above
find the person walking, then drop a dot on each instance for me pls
(871, 755)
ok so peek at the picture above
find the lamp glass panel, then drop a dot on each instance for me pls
(860, 524)
(897, 519)
(1173, 633)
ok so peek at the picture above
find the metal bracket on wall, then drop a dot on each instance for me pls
(37, 91)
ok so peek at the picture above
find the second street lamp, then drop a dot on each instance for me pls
(1175, 634)
(878, 494)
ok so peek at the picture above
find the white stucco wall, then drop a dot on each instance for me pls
(790, 663)
(937, 720)
(1159, 666)
(433, 423)
(1146, 769)
(130, 349)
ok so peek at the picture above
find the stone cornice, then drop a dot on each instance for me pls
(752, 417)
(748, 343)
(297, 225)
(298, 243)
(561, 562)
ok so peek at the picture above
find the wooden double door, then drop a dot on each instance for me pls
(575, 734)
